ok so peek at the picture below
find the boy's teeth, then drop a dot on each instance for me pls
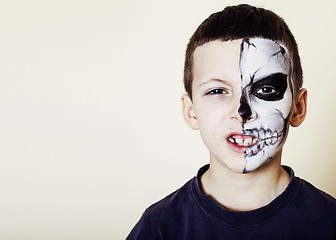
(239, 141)
(247, 142)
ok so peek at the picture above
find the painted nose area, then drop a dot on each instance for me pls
(244, 109)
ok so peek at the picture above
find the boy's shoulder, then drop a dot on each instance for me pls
(306, 199)
(311, 195)
(175, 203)
(163, 216)
(180, 199)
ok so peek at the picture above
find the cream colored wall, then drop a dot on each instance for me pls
(91, 127)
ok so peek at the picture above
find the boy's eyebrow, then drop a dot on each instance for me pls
(215, 80)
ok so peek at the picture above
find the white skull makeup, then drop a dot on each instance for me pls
(266, 99)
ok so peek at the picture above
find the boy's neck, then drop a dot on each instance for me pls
(245, 192)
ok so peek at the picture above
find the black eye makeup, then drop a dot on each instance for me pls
(270, 88)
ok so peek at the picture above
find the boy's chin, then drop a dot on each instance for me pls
(252, 166)
(259, 160)
(246, 165)
(238, 166)
(235, 164)
(242, 164)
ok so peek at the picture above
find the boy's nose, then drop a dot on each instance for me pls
(244, 109)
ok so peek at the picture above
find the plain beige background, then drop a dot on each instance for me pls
(91, 128)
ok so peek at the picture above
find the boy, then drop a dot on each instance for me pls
(243, 80)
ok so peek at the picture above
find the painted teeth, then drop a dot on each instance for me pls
(268, 137)
(263, 137)
(261, 134)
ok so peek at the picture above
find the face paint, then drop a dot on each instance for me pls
(266, 100)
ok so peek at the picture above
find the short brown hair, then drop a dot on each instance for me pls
(243, 21)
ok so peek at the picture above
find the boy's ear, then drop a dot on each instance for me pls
(189, 112)
(300, 108)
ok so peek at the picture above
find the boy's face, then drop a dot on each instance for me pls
(242, 100)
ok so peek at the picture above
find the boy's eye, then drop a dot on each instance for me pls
(268, 93)
(216, 91)
(266, 90)
(270, 88)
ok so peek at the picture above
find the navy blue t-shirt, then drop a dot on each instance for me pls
(301, 212)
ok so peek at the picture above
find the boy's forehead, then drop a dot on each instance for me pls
(219, 59)
(260, 56)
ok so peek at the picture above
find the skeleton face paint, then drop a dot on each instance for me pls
(242, 101)
(266, 100)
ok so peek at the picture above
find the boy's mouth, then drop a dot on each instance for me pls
(243, 141)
